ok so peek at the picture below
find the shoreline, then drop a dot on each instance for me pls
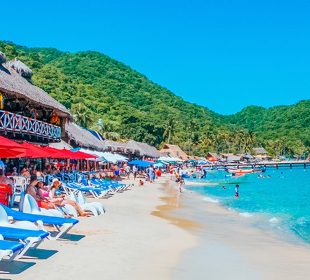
(230, 246)
(155, 232)
(127, 242)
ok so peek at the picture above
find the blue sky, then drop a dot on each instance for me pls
(220, 54)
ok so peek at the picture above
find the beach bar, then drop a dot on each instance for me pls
(26, 111)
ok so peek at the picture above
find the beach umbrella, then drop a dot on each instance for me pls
(10, 149)
(6, 143)
(141, 163)
(11, 153)
(67, 154)
(82, 155)
(34, 151)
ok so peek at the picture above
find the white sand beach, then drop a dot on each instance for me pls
(154, 232)
(125, 243)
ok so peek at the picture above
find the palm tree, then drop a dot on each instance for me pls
(106, 129)
(81, 114)
(169, 129)
(249, 141)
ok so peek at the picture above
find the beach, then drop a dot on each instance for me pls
(128, 242)
(155, 232)
(231, 247)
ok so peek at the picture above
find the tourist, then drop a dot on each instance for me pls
(60, 200)
(25, 172)
(32, 188)
(134, 172)
(181, 182)
(5, 180)
(14, 172)
(237, 191)
(127, 171)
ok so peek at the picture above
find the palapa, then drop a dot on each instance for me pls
(174, 151)
(83, 137)
(13, 84)
(2, 58)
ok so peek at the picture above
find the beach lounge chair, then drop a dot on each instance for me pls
(19, 187)
(62, 225)
(95, 207)
(96, 192)
(31, 206)
(25, 236)
(9, 248)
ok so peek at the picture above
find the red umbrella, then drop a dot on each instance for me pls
(50, 149)
(83, 155)
(11, 153)
(64, 153)
(34, 151)
(10, 149)
(6, 143)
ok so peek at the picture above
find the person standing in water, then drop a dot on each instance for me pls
(237, 191)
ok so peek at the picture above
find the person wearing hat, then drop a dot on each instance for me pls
(60, 200)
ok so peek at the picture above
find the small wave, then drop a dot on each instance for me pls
(246, 214)
(209, 199)
(273, 220)
(301, 221)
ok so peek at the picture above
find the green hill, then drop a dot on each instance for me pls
(95, 87)
(277, 126)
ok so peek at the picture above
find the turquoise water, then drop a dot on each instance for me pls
(283, 199)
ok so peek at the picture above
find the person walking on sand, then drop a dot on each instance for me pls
(134, 172)
(181, 182)
(127, 171)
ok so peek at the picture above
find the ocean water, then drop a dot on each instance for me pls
(282, 201)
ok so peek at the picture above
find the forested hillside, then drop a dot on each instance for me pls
(94, 86)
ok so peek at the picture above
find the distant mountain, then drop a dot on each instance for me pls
(94, 86)
(291, 122)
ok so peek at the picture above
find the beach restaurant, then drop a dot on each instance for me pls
(26, 111)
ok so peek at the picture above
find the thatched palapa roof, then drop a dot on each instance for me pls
(2, 58)
(174, 151)
(12, 82)
(20, 67)
(83, 137)
(115, 146)
(260, 151)
(143, 149)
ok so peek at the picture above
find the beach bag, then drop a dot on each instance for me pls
(5, 194)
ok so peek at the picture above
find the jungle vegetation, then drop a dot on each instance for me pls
(109, 96)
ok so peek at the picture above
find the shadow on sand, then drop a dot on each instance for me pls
(72, 237)
(13, 267)
(38, 253)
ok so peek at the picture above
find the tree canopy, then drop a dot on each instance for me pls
(94, 86)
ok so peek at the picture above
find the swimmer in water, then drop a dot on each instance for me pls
(237, 191)
(224, 188)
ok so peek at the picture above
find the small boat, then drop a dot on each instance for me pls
(240, 172)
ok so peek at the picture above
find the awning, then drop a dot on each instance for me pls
(10, 149)
(34, 151)
(141, 163)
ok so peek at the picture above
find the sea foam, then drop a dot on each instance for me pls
(246, 214)
(273, 220)
(211, 200)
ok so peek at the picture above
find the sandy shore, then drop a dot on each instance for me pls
(127, 242)
(154, 232)
(231, 246)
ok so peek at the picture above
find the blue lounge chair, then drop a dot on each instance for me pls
(96, 192)
(9, 248)
(62, 225)
(25, 236)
